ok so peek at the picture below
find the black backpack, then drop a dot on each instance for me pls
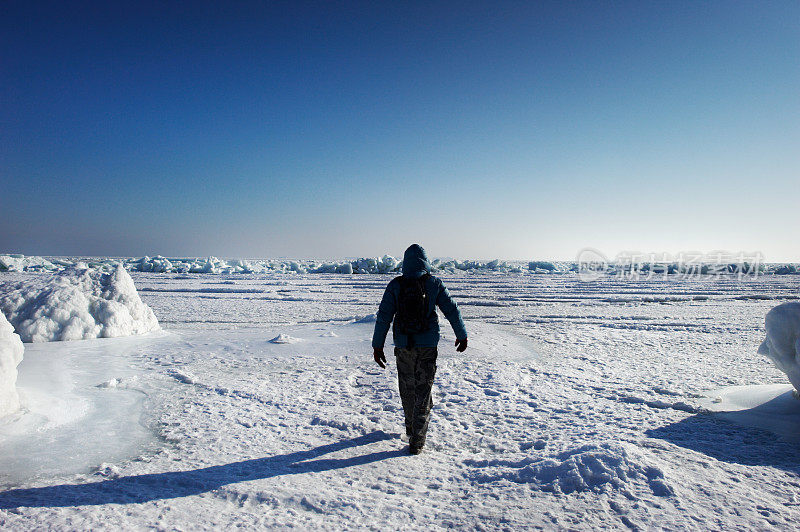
(412, 306)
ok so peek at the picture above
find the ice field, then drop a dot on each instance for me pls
(610, 404)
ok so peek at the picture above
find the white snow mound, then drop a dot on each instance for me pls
(285, 339)
(593, 467)
(782, 344)
(77, 304)
(10, 356)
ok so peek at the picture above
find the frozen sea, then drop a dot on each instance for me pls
(610, 404)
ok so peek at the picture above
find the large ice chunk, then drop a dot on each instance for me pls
(76, 304)
(21, 263)
(782, 345)
(10, 357)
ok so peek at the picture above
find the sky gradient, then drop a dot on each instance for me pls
(516, 130)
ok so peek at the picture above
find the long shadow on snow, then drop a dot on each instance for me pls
(173, 484)
(718, 435)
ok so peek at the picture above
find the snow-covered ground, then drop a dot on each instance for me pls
(609, 404)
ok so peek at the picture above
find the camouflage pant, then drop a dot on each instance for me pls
(416, 368)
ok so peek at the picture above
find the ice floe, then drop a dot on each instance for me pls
(782, 344)
(76, 304)
(11, 350)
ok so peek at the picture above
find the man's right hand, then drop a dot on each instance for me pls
(380, 358)
(461, 345)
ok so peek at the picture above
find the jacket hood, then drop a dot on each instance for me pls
(415, 262)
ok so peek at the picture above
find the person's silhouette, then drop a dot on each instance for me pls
(411, 300)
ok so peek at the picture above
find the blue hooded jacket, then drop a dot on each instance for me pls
(415, 265)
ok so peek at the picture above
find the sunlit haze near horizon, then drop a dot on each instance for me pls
(513, 130)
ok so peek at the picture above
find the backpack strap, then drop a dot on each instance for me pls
(421, 281)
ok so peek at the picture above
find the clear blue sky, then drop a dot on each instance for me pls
(480, 129)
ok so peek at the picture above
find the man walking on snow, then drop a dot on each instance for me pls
(411, 300)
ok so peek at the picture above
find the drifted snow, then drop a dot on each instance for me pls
(771, 407)
(285, 339)
(10, 356)
(76, 305)
(782, 344)
(595, 467)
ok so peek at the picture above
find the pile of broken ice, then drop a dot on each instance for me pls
(385, 264)
(76, 304)
(10, 356)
